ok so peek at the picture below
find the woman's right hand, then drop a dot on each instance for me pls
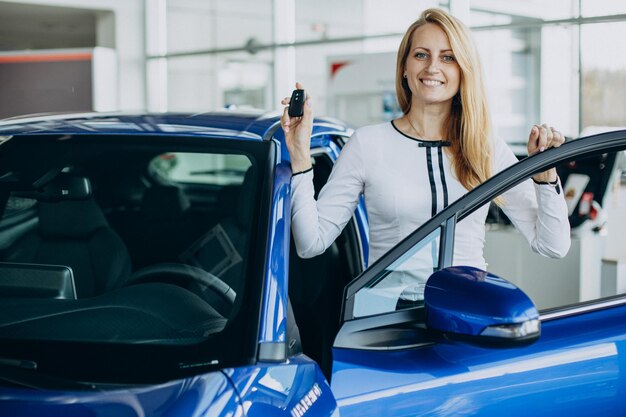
(298, 133)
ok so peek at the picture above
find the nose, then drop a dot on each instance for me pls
(433, 67)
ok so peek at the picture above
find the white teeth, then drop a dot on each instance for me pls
(432, 83)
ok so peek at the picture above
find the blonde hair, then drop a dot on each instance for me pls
(469, 126)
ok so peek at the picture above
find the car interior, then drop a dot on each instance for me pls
(316, 284)
(96, 236)
(116, 217)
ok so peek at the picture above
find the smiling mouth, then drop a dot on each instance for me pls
(431, 83)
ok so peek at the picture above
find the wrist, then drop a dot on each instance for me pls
(546, 176)
(300, 159)
(300, 166)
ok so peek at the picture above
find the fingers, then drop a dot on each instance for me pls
(544, 137)
(289, 123)
(558, 139)
(285, 120)
(542, 140)
(308, 108)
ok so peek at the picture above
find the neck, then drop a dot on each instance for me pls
(429, 121)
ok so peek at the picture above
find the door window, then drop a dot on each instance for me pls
(401, 284)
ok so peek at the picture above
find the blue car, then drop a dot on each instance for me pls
(147, 269)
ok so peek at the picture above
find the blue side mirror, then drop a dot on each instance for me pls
(470, 304)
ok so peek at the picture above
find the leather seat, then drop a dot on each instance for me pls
(73, 231)
(163, 227)
(232, 235)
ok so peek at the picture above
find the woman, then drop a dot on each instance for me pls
(411, 168)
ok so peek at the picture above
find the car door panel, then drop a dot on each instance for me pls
(576, 368)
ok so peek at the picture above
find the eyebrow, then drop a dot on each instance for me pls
(426, 49)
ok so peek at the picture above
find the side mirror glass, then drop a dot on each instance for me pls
(470, 304)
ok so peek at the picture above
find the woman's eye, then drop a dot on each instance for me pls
(448, 58)
(421, 55)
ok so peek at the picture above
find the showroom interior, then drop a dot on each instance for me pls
(544, 61)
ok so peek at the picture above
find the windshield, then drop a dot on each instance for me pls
(129, 259)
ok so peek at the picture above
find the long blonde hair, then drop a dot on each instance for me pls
(469, 126)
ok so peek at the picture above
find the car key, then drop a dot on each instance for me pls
(296, 104)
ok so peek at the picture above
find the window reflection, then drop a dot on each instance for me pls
(401, 284)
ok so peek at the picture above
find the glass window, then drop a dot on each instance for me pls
(200, 25)
(602, 8)
(490, 12)
(338, 19)
(595, 265)
(201, 168)
(211, 82)
(510, 60)
(401, 284)
(16, 204)
(157, 244)
(603, 78)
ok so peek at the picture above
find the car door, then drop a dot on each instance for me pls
(388, 361)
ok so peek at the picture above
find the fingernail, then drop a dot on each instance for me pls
(543, 148)
(534, 129)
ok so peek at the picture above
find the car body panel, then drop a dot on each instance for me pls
(274, 304)
(209, 394)
(292, 389)
(251, 126)
(575, 368)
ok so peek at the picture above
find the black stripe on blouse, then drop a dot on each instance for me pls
(431, 178)
(443, 178)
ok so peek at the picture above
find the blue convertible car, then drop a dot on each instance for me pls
(147, 269)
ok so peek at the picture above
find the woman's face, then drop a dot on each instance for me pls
(432, 72)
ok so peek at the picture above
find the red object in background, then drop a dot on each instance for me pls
(336, 66)
(585, 207)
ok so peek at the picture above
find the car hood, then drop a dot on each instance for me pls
(208, 394)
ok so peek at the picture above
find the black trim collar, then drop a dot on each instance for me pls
(423, 143)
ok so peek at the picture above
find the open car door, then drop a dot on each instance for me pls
(471, 342)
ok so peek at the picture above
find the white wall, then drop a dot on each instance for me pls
(123, 31)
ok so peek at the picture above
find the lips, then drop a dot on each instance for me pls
(431, 83)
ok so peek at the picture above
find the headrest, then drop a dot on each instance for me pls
(65, 187)
(245, 200)
(164, 201)
(70, 219)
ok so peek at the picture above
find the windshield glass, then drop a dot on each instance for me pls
(137, 249)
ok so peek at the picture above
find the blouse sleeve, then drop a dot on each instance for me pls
(538, 211)
(316, 224)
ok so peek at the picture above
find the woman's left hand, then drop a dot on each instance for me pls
(544, 137)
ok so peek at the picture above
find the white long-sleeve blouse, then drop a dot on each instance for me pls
(404, 183)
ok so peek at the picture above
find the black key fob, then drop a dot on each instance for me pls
(296, 105)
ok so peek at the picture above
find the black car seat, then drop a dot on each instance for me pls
(162, 228)
(223, 248)
(73, 231)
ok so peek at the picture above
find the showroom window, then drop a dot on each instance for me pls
(543, 62)
(603, 77)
